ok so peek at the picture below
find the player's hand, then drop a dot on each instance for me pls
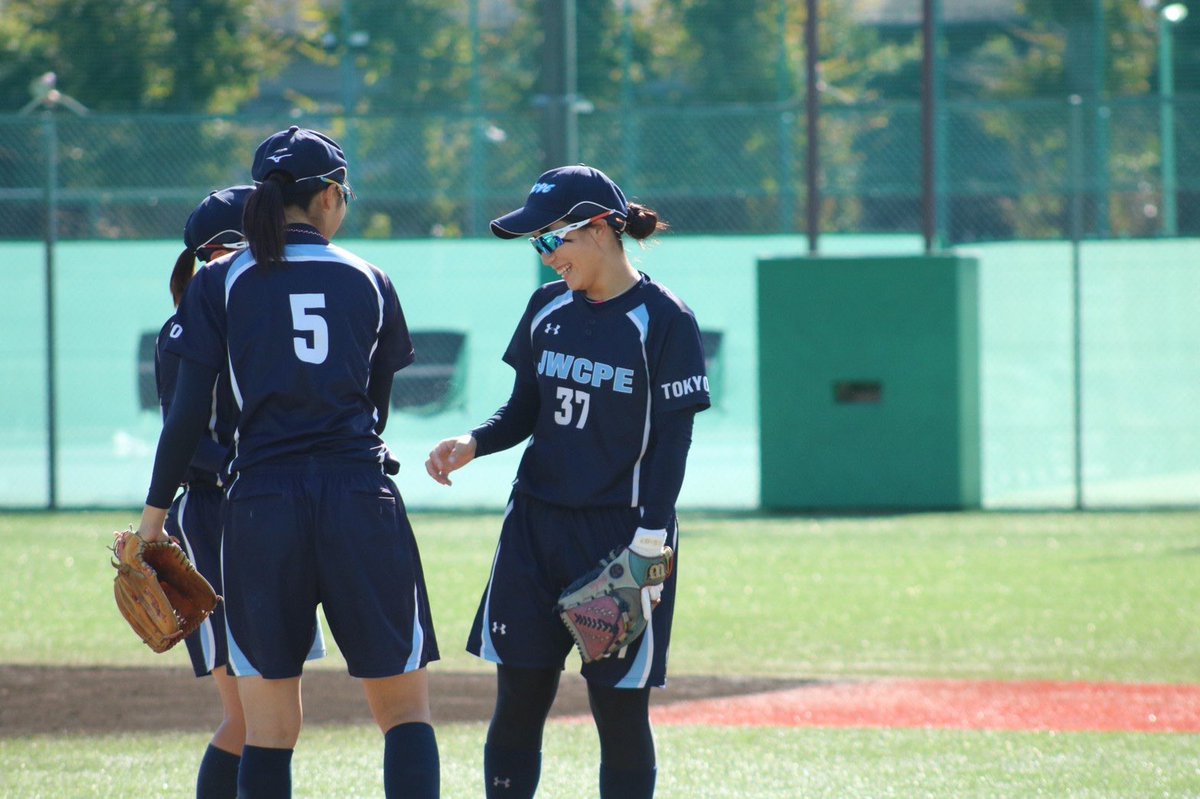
(448, 455)
(151, 526)
(651, 596)
(649, 544)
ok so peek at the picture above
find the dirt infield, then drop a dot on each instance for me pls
(63, 701)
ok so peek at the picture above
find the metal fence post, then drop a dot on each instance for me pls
(629, 124)
(787, 189)
(50, 132)
(1075, 147)
(812, 108)
(930, 102)
(475, 176)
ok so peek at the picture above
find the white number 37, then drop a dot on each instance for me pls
(569, 399)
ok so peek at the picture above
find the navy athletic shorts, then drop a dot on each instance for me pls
(195, 519)
(543, 548)
(334, 535)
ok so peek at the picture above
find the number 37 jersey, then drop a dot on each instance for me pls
(301, 338)
(603, 371)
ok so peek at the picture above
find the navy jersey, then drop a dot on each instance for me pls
(603, 370)
(220, 420)
(300, 339)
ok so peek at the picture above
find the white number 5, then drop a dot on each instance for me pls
(568, 397)
(304, 320)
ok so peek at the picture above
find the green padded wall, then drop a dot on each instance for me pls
(869, 382)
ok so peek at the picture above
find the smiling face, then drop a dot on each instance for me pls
(590, 259)
(578, 259)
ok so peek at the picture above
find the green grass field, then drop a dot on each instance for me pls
(1097, 597)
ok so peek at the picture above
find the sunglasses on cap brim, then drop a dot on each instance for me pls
(549, 242)
(347, 192)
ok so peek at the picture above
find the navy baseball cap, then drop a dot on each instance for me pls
(580, 191)
(302, 153)
(217, 220)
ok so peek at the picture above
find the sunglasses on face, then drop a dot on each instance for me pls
(347, 192)
(549, 242)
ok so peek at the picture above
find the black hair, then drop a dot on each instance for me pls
(181, 275)
(643, 222)
(264, 220)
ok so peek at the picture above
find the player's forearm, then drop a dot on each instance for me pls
(512, 423)
(152, 523)
(665, 467)
(379, 390)
(181, 432)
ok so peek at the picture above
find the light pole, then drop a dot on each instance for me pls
(1168, 16)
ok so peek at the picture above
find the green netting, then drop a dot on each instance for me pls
(1140, 398)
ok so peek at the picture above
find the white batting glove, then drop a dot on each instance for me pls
(649, 544)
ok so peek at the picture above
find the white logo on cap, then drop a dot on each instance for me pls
(541, 188)
(278, 158)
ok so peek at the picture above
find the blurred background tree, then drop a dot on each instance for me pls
(195, 56)
(701, 99)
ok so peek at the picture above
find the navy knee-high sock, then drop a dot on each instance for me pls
(510, 774)
(411, 766)
(218, 774)
(620, 784)
(265, 773)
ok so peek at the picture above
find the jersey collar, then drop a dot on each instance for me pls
(299, 233)
(624, 301)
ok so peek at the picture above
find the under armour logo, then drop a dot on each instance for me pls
(502, 782)
(541, 188)
(551, 329)
(277, 158)
(497, 627)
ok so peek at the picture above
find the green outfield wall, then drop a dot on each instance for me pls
(869, 382)
(1140, 365)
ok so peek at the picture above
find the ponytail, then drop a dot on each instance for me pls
(263, 220)
(642, 222)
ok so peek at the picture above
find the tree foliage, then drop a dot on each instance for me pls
(138, 55)
(211, 55)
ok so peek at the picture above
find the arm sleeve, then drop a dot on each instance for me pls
(210, 454)
(379, 390)
(678, 377)
(182, 430)
(395, 349)
(664, 478)
(513, 423)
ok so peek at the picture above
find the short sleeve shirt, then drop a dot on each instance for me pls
(300, 339)
(603, 371)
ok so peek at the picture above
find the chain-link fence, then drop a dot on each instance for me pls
(1031, 169)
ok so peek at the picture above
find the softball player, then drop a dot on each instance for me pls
(213, 230)
(312, 336)
(609, 374)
